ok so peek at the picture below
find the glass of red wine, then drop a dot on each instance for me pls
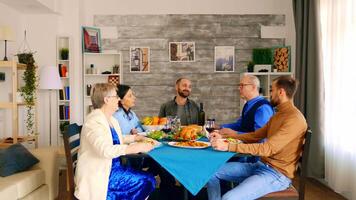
(168, 126)
(210, 125)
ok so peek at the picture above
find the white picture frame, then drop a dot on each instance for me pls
(224, 59)
(181, 51)
(140, 59)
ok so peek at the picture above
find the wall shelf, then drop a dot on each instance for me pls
(14, 107)
(96, 63)
(64, 104)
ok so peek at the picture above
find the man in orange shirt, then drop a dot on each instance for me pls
(279, 154)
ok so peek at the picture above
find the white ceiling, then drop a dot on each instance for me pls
(28, 6)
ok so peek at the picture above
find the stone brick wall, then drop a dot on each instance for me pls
(218, 91)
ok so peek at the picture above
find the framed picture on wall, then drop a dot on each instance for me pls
(182, 51)
(282, 58)
(224, 60)
(91, 39)
(140, 59)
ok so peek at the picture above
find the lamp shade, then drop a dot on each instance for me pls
(49, 79)
(6, 33)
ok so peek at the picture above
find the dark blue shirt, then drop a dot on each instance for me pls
(262, 115)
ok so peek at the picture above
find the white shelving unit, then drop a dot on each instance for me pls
(94, 65)
(64, 66)
(266, 79)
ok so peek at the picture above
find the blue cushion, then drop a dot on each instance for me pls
(15, 159)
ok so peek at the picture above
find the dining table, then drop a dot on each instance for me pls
(192, 167)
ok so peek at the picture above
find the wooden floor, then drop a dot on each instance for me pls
(314, 190)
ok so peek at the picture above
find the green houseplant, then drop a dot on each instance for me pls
(28, 91)
(250, 66)
(64, 52)
(262, 56)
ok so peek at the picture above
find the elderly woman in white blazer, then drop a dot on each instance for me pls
(99, 173)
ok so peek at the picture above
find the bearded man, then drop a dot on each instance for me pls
(183, 107)
(284, 134)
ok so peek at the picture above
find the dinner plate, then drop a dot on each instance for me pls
(156, 145)
(176, 144)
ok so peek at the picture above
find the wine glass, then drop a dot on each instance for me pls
(168, 126)
(210, 125)
(175, 125)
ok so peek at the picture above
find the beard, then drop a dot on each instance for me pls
(183, 93)
(274, 102)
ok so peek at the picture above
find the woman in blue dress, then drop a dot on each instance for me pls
(99, 173)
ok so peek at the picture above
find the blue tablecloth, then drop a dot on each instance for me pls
(191, 167)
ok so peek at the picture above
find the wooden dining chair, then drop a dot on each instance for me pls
(291, 192)
(71, 139)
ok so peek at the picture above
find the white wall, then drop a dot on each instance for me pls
(11, 18)
(43, 29)
(41, 34)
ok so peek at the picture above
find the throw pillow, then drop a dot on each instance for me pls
(15, 159)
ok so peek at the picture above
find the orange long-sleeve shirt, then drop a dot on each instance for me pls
(285, 134)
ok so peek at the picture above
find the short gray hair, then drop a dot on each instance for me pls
(99, 92)
(253, 79)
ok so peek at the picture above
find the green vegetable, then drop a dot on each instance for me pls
(157, 135)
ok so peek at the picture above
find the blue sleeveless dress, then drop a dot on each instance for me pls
(126, 183)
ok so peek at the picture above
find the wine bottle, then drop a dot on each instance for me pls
(201, 115)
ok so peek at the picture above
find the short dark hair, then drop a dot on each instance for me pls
(288, 83)
(180, 79)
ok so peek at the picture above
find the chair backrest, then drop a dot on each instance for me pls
(292, 193)
(71, 139)
(304, 164)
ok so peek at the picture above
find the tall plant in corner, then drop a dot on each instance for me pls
(28, 91)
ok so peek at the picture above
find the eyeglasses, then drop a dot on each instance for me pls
(243, 84)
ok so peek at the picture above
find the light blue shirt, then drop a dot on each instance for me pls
(262, 115)
(128, 122)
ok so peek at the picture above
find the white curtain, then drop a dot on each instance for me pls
(338, 24)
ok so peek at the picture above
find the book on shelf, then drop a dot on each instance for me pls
(67, 92)
(61, 94)
(64, 112)
(64, 94)
(62, 69)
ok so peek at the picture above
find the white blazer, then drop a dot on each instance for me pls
(95, 156)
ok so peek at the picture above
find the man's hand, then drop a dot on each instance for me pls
(220, 144)
(214, 135)
(228, 133)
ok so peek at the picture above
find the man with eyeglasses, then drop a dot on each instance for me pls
(255, 113)
(280, 153)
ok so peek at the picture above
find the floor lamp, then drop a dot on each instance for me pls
(50, 80)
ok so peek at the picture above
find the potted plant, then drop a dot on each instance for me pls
(64, 53)
(28, 91)
(250, 66)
